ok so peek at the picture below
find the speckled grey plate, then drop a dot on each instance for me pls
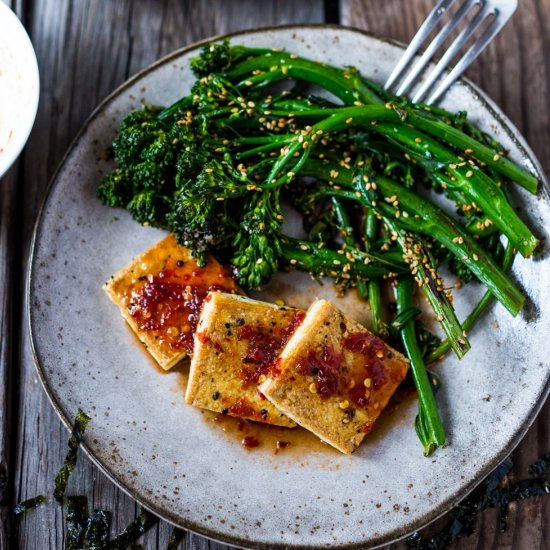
(169, 457)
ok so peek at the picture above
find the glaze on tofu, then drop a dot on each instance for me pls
(335, 377)
(160, 294)
(237, 344)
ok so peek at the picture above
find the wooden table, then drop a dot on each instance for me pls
(85, 49)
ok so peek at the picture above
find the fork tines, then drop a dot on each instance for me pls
(402, 82)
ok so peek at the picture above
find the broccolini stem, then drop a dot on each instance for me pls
(180, 105)
(477, 311)
(346, 84)
(317, 260)
(440, 129)
(346, 117)
(453, 136)
(477, 186)
(427, 277)
(417, 214)
(374, 290)
(349, 240)
(434, 433)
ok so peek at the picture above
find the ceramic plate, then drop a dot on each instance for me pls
(192, 470)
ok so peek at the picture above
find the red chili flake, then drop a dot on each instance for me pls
(333, 376)
(217, 346)
(364, 343)
(264, 346)
(243, 408)
(202, 337)
(170, 302)
(326, 366)
(366, 428)
(249, 442)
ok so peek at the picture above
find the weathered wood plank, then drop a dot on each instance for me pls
(9, 290)
(515, 72)
(85, 49)
(8, 199)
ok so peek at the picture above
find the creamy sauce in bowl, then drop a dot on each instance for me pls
(19, 87)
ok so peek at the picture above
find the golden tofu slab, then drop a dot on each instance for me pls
(335, 377)
(160, 294)
(237, 345)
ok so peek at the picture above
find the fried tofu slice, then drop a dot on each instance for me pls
(335, 377)
(237, 345)
(160, 295)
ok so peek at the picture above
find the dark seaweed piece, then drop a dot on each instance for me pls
(540, 467)
(97, 530)
(462, 522)
(130, 534)
(175, 538)
(491, 494)
(80, 423)
(28, 504)
(76, 522)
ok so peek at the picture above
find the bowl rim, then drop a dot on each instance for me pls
(12, 150)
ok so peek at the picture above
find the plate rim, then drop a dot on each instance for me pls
(200, 529)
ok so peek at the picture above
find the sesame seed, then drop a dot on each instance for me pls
(313, 388)
(496, 157)
(367, 382)
(469, 174)
(344, 404)
(349, 120)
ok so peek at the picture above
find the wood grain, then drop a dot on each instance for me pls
(10, 292)
(88, 47)
(8, 199)
(85, 49)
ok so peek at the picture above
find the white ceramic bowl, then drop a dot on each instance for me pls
(19, 87)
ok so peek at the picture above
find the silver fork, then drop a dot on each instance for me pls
(401, 83)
